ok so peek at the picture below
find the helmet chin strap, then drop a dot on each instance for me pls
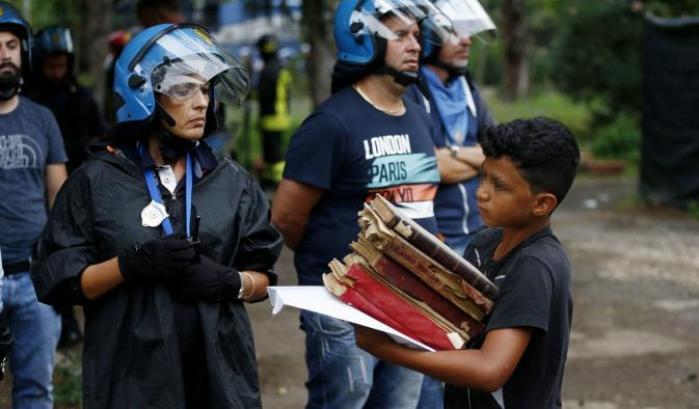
(453, 70)
(10, 85)
(404, 78)
(172, 147)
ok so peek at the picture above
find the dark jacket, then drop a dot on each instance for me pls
(77, 115)
(130, 357)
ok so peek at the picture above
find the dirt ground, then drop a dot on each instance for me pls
(635, 339)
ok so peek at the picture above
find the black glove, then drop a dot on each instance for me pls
(156, 260)
(5, 342)
(206, 280)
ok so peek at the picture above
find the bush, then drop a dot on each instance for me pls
(620, 139)
(598, 57)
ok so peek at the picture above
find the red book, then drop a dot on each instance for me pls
(414, 322)
(402, 279)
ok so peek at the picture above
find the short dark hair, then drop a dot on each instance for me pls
(544, 151)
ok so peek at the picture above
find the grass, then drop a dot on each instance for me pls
(553, 104)
(67, 378)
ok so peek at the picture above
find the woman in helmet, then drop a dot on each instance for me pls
(161, 241)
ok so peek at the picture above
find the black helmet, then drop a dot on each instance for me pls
(268, 45)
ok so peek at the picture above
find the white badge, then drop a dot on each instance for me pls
(153, 214)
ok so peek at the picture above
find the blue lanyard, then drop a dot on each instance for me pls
(155, 196)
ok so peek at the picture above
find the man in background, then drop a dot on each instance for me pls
(32, 170)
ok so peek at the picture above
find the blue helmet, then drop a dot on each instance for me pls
(359, 33)
(165, 59)
(53, 39)
(11, 20)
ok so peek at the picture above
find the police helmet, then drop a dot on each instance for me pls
(11, 20)
(360, 34)
(456, 19)
(174, 60)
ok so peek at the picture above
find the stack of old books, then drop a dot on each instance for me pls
(405, 277)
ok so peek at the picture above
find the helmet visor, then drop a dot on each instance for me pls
(369, 17)
(457, 19)
(193, 61)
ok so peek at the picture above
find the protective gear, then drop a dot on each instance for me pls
(455, 20)
(11, 20)
(361, 36)
(160, 57)
(206, 280)
(53, 39)
(156, 260)
(268, 45)
(173, 148)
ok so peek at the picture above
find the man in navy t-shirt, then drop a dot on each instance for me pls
(365, 139)
(32, 169)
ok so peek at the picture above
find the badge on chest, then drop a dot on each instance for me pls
(153, 214)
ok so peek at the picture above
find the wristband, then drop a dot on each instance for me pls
(241, 291)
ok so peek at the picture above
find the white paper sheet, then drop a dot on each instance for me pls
(318, 299)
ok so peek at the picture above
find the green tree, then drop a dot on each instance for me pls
(597, 56)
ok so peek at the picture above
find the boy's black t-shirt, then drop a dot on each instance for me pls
(534, 292)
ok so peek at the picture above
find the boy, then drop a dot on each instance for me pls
(518, 361)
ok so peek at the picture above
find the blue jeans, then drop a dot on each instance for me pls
(431, 394)
(343, 376)
(35, 328)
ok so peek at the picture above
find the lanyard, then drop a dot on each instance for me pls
(155, 196)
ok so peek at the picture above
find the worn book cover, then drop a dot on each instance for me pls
(402, 279)
(451, 286)
(356, 285)
(431, 246)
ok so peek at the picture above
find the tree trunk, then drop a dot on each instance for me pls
(317, 30)
(98, 24)
(515, 40)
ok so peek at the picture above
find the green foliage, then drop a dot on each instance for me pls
(621, 139)
(575, 116)
(598, 56)
(67, 380)
(693, 209)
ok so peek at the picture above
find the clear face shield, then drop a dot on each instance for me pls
(408, 12)
(193, 62)
(458, 19)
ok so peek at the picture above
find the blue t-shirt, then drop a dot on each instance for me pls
(353, 151)
(455, 205)
(29, 140)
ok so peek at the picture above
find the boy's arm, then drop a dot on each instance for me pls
(487, 368)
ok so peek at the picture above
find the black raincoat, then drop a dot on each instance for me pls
(130, 357)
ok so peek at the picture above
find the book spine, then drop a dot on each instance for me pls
(432, 247)
(454, 263)
(472, 302)
(416, 288)
(415, 323)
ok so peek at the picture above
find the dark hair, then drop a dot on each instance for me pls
(544, 151)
